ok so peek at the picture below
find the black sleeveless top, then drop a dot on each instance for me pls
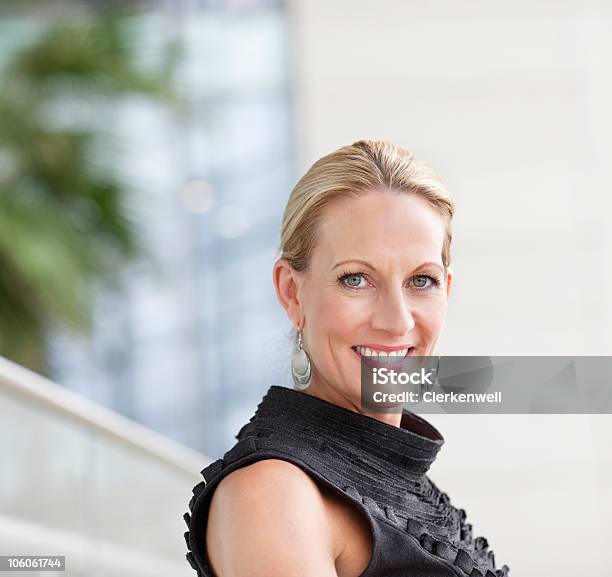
(380, 468)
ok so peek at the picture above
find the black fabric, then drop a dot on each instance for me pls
(381, 469)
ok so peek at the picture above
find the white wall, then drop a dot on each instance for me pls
(509, 102)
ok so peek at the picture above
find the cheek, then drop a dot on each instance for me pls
(430, 316)
(338, 315)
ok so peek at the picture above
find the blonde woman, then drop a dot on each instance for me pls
(314, 486)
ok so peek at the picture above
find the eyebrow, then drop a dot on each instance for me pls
(366, 263)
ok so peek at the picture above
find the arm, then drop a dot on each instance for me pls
(269, 519)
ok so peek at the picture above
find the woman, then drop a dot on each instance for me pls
(316, 487)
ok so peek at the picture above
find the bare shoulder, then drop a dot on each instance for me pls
(266, 477)
(269, 485)
(262, 519)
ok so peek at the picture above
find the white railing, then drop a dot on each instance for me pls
(80, 480)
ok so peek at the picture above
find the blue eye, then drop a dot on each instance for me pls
(434, 281)
(351, 279)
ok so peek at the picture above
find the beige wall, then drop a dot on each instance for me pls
(509, 102)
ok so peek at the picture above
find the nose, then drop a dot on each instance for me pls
(393, 313)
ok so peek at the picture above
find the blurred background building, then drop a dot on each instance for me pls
(190, 336)
(182, 348)
(180, 127)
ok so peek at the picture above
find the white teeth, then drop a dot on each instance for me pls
(367, 352)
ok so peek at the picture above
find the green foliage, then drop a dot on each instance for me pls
(64, 225)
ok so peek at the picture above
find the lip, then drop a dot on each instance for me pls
(411, 352)
(377, 362)
(384, 348)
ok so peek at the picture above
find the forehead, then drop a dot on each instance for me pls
(380, 226)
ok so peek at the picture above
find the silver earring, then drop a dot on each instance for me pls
(300, 365)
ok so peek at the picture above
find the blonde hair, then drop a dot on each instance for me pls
(351, 171)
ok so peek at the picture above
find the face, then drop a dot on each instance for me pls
(376, 280)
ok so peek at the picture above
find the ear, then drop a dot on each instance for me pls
(449, 281)
(287, 282)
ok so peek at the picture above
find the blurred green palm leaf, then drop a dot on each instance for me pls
(64, 225)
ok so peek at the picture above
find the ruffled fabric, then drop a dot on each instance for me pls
(472, 556)
(378, 465)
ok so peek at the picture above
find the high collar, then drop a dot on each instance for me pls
(408, 450)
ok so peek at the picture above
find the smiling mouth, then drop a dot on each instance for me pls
(384, 356)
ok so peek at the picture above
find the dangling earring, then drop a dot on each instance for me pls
(300, 365)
